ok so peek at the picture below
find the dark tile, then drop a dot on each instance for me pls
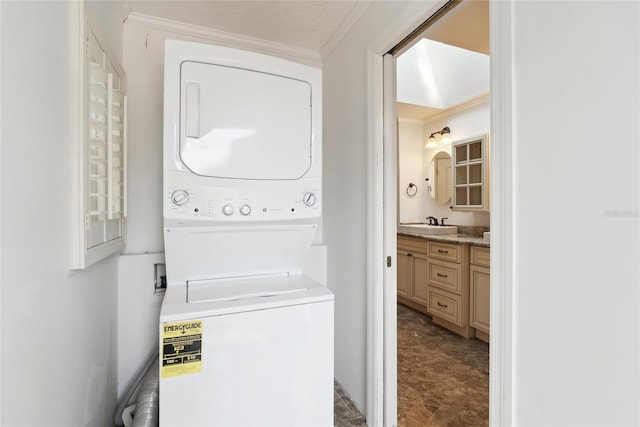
(345, 412)
(443, 379)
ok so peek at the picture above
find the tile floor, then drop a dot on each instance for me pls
(443, 379)
(345, 413)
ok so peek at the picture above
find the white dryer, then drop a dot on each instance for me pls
(245, 337)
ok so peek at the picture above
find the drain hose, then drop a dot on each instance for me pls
(147, 410)
(152, 363)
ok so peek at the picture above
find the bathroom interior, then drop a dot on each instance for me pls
(443, 111)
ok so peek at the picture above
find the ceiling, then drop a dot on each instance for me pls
(466, 27)
(439, 75)
(305, 24)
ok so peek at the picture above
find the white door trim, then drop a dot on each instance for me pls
(381, 360)
(502, 218)
(389, 291)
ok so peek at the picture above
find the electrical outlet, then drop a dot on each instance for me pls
(159, 279)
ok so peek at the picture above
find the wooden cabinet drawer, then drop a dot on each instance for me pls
(444, 251)
(445, 275)
(445, 305)
(412, 244)
(480, 256)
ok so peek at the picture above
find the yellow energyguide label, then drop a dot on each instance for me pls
(181, 348)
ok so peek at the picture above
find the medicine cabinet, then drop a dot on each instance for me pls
(471, 174)
(99, 193)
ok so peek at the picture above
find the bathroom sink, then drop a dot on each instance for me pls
(426, 229)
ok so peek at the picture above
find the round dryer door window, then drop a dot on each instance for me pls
(244, 124)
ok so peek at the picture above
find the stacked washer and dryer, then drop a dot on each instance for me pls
(246, 338)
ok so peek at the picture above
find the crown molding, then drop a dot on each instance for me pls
(473, 102)
(293, 53)
(345, 26)
(410, 120)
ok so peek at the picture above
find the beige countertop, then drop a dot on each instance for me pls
(450, 238)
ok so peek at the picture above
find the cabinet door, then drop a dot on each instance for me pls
(420, 278)
(471, 176)
(404, 273)
(480, 298)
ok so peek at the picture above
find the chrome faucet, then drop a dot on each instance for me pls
(432, 220)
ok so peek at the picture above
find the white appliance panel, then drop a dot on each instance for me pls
(216, 297)
(202, 253)
(242, 289)
(245, 201)
(265, 367)
(179, 52)
(244, 124)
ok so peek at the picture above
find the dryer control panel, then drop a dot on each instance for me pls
(298, 199)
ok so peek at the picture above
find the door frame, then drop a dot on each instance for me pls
(381, 281)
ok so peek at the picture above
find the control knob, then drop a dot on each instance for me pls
(309, 198)
(245, 210)
(227, 210)
(180, 197)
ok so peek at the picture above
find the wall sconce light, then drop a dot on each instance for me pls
(445, 137)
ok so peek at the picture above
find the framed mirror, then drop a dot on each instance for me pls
(440, 178)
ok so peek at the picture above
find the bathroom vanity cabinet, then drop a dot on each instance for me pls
(433, 277)
(479, 290)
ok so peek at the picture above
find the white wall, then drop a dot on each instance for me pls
(413, 159)
(576, 187)
(106, 18)
(467, 123)
(345, 180)
(144, 61)
(138, 314)
(410, 170)
(58, 326)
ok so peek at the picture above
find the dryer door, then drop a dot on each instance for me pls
(244, 124)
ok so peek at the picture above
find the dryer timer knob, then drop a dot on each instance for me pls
(309, 199)
(180, 197)
(227, 210)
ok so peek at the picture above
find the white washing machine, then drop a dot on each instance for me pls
(245, 337)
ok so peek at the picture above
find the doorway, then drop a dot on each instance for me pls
(381, 359)
(442, 81)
